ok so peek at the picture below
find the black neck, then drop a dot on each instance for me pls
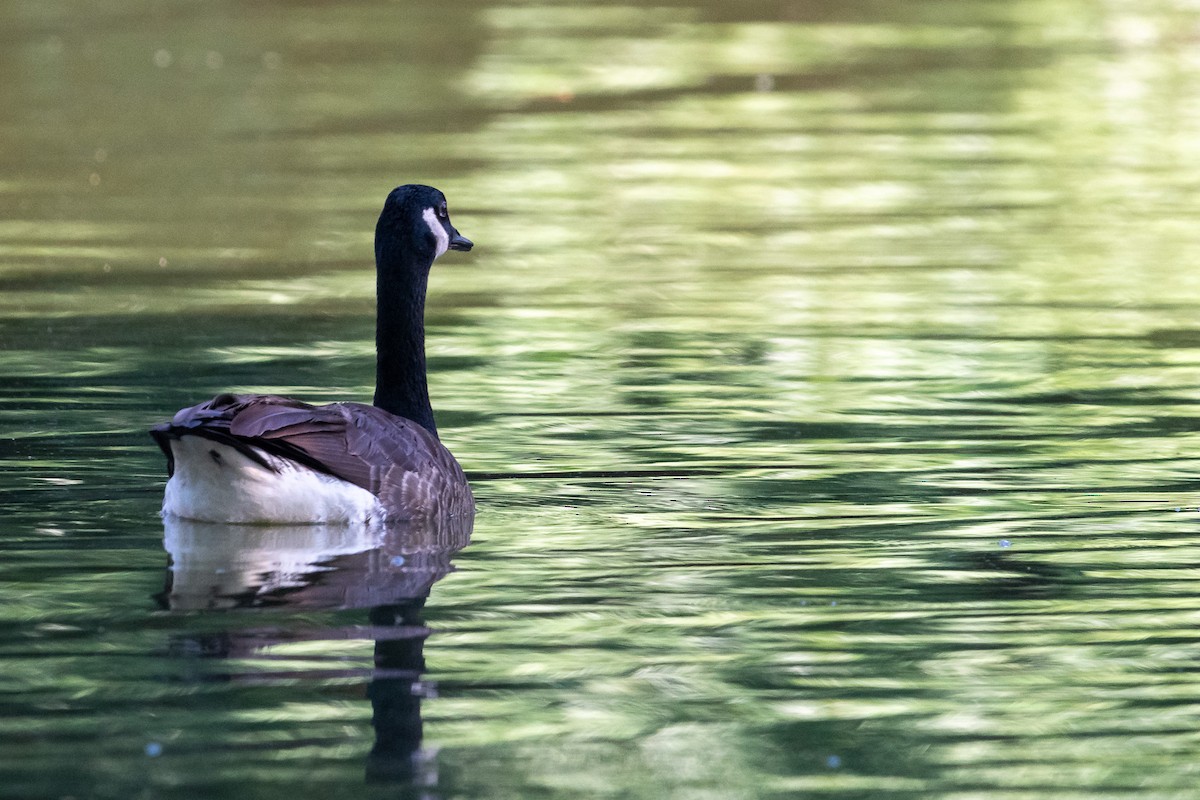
(401, 275)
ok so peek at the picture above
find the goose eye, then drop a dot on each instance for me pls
(442, 212)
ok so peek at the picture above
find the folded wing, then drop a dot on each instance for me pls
(395, 459)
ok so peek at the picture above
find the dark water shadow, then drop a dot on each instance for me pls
(386, 570)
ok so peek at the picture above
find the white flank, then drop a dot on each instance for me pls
(439, 232)
(215, 483)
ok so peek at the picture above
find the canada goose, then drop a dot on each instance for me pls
(248, 458)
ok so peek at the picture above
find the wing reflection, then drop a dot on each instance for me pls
(386, 569)
(216, 566)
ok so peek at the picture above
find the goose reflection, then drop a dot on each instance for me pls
(386, 569)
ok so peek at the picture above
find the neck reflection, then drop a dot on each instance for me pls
(387, 570)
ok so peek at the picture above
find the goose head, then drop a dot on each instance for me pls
(416, 218)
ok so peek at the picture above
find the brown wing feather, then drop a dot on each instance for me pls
(395, 459)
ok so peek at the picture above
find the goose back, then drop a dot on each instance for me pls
(398, 461)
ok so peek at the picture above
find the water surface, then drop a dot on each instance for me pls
(825, 373)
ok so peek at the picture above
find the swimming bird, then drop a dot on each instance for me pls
(251, 458)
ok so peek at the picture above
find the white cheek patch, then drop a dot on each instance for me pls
(439, 232)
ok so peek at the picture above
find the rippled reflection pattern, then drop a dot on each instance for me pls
(825, 372)
(386, 570)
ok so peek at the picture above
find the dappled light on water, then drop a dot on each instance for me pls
(825, 374)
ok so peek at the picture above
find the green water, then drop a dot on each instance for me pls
(825, 373)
